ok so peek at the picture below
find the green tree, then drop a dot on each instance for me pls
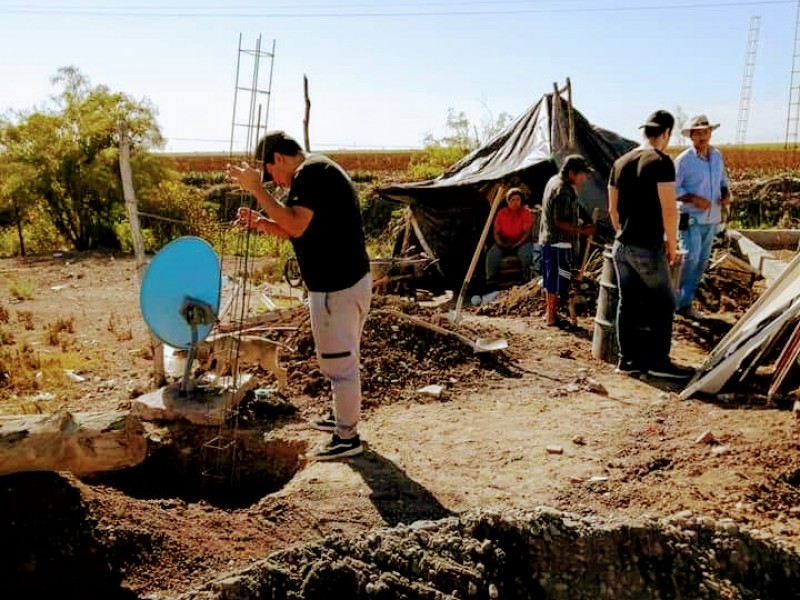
(16, 199)
(68, 157)
(460, 133)
(461, 137)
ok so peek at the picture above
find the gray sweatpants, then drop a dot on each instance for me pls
(337, 320)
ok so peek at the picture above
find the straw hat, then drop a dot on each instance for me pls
(698, 122)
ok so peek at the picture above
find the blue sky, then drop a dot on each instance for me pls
(384, 74)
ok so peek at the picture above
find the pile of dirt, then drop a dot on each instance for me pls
(52, 546)
(772, 201)
(522, 301)
(528, 300)
(398, 356)
(721, 291)
(541, 554)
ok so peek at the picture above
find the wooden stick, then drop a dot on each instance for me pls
(478, 249)
(595, 216)
(426, 325)
(406, 233)
(424, 243)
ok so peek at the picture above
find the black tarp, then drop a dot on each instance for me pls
(451, 209)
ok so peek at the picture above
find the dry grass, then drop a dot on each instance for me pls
(60, 325)
(21, 289)
(26, 318)
(122, 331)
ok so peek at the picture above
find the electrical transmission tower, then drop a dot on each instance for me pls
(747, 79)
(793, 117)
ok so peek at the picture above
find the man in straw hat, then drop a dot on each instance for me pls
(703, 193)
(641, 204)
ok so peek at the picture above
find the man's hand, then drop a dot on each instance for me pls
(588, 229)
(700, 202)
(247, 218)
(672, 254)
(246, 177)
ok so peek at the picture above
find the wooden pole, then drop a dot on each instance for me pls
(424, 243)
(132, 209)
(307, 116)
(130, 196)
(478, 249)
(406, 233)
(570, 119)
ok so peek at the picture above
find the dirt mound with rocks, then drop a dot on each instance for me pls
(399, 355)
(541, 554)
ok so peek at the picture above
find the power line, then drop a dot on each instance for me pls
(240, 12)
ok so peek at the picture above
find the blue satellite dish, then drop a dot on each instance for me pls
(185, 272)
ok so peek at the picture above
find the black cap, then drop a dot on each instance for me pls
(274, 141)
(575, 163)
(661, 118)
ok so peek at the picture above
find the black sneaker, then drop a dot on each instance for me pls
(629, 367)
(326, 423)
(339, 448)
(691, 314)
(670, 370)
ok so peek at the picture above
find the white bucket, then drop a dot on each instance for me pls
(174, 361)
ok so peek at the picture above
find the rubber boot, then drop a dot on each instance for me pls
(551, 310)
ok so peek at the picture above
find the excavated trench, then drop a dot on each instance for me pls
(229, 469)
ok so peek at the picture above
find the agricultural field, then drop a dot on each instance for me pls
(744, 163)
(388, 161)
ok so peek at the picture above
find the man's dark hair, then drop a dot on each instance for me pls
(275, 141)
(575, 163)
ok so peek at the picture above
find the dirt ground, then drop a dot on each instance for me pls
(542, 423)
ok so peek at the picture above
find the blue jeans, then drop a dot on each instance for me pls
(697, 241)
(524, 253)
(646, 304)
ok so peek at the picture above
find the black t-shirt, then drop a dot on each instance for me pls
(636, 176)
(331, 252)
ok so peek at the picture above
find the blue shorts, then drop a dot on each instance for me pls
(556, 269)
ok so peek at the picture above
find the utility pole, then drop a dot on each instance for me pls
(747, 79)
(132, 208)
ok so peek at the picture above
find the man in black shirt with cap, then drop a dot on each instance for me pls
(641, 197)
(322, 220)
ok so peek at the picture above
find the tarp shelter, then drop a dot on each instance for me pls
(450, 210)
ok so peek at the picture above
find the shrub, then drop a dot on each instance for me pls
(39, 236)
(21, 289)
(434, 161)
